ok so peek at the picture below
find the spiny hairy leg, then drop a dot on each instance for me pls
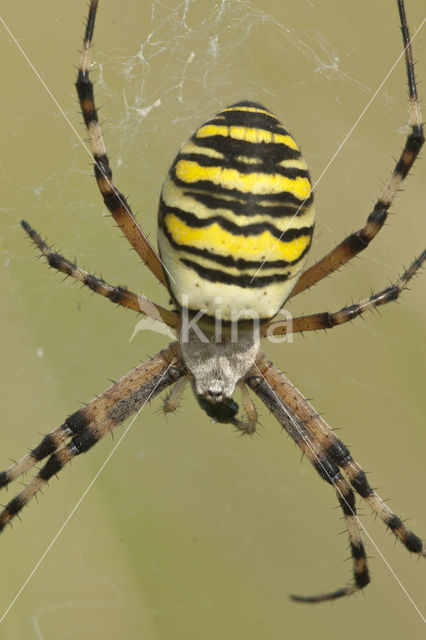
(117, 295)
(84, 428)
(336, 451)
(114, 200)
(327, 454)
(329, 471)
(327, 320)
(359, 240)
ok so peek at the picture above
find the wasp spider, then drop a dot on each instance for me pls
(236, 220)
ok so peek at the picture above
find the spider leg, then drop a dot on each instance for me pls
(172, 401)
(84, 428)
(329, 471)
(249, 425)
(118, 295)
(326, 320)
(337, 452)
(327, 453)
(359, 240)
(113, 198)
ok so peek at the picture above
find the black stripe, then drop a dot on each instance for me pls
(362, 578)
(246, 208)
(413, 542)
(246, 230)
(52, 467)
(250, 104)
(15, 506)
(326, 469)
(338, 452)
(357, 550)
(56, 261)
(239, 202)
(408, 538)
(90, 26)
(360, 484)
(242, 167)
(45, 448)
(85, 95)
(347, 502)
(247, 119)
(83, 442)
(413, 145)
(272, 152)
(229, 260)
(361, 574)
(244, 281)
(242, 118)
(78, 421)
(394, 522)
(4, 479)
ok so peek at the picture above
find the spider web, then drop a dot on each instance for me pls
(162, 69)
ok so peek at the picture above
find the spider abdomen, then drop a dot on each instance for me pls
(236, 216)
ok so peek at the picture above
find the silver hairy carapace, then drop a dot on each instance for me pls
(217, 360)
(217, 364)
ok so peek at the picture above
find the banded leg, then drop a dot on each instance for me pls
(118, 295)
(336, 451)
(323, 444)
(359, 240)
(84, 428)
(329, 471)
(326, 320)
(113, 198)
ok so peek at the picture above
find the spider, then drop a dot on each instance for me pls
(236, 220)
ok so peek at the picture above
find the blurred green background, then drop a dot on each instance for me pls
(191, 531)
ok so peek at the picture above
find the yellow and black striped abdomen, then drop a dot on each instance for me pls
(236, 216)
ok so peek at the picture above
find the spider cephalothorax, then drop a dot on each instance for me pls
(216, 366)
(235, 223)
